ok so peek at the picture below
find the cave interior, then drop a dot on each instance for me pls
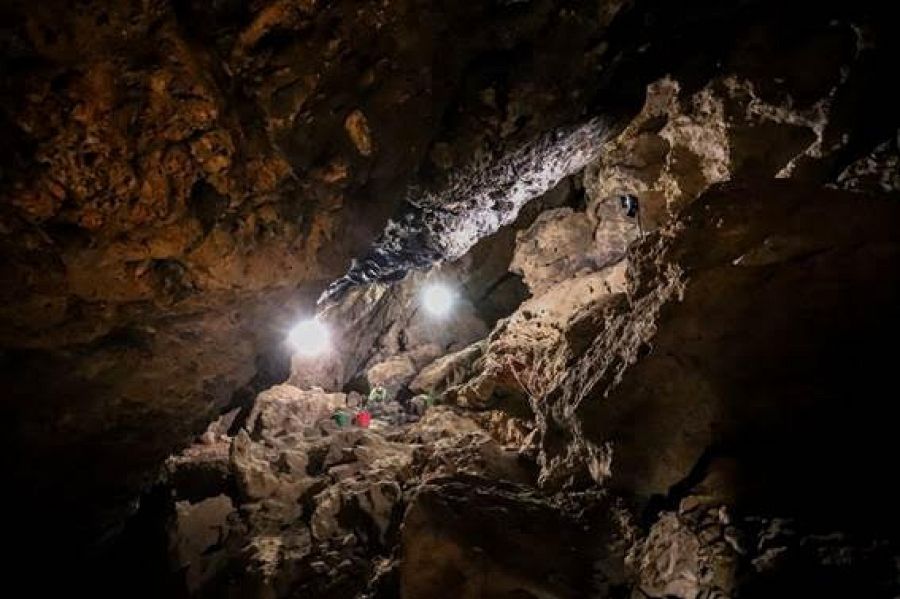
(524, 299)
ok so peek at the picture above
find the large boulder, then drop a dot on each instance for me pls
(467, 537)
(559, 245)
(285, 409)
(528, 351)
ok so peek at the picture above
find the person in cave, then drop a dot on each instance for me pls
(632, 209)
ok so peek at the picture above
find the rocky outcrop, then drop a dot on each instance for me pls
(293, 502)
(382, 335)
(699, 360)
(715, 386)
(558, 246)
(688, 136)
(744, 102)
(716, 448)
(525, 544)
(385, 333)
(446, 225)
(710, 552)
(742, 452)
(711, 345)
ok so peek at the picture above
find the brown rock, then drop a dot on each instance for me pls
(558, 246)
(392, 373)
(358, 129)
(199, 532)
(285, 409)
(693, 345)
(465, 537)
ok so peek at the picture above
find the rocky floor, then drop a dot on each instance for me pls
(296, 503)
(290, 503)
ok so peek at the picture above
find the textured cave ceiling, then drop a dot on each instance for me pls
(180, 180)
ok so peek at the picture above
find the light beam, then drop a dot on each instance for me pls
(437, 299)
(310, 338)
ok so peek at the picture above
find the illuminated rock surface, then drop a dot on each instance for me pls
(690, 401)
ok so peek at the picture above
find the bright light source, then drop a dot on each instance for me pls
(310, 338)
(437, 299)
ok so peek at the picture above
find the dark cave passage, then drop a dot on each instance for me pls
(522, 299)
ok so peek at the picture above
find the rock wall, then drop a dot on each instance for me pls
(693, 392)
(179, 180)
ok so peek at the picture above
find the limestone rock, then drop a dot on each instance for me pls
(180, 180)
(528, 352)
(285, 410)
(558, 246)
(311, 505)
(358, 129)
(710, 552)
(739, 124)
(447, 371)
(178, 185)
(464, 537)
(199, 532)
(453, 444)
(705, 299)
(391, 374)
(259, 476)
(385, 328)
(676, 561)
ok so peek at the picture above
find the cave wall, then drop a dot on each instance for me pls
(181, 180)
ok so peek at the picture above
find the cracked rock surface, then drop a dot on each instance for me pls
(670, 228)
